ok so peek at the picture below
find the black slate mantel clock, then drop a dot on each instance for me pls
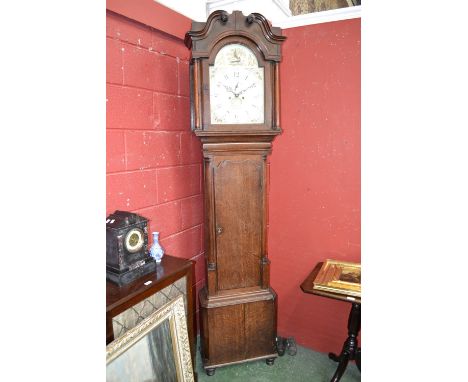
(235, 94)
(127, 256)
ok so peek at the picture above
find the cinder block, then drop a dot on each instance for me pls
(183, 75)
(150, 149)
(163, 218)
(171, 112)
(115, 151)
(178, 182)
(139, 67)
(114, 61)
(129, 108)
(185, 244)
(149, 70)
(165, 68)
(131, 190)
(192, 211)
(190, 148)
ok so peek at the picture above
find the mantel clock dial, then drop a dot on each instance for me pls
(134, 240)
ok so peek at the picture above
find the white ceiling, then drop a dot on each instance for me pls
(277, 11)
(193, 9)
(199, 9)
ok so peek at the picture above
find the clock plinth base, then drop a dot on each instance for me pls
(239, 332)
(123, 278)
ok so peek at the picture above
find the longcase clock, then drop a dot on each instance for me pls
(234, 76)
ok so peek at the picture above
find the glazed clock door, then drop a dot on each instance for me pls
(238, 189)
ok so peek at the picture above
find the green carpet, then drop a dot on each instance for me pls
(306, 366)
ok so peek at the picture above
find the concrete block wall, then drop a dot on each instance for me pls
(153, 159)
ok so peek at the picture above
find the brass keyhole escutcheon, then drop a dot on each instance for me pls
(219, 230)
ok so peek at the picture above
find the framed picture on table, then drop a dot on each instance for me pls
(339, 277)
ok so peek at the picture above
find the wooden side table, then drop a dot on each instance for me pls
(130, 304)
(350, 350)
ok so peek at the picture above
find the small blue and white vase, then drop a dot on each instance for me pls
(156, 251)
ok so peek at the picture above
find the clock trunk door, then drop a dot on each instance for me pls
(238, 186)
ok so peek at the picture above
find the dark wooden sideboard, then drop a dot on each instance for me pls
(130, 304)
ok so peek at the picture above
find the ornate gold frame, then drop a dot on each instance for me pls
(173, 311)
(330, 278)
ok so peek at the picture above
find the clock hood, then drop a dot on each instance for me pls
(204, 36)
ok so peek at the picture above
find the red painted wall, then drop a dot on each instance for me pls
(315, 176)
(153, 159)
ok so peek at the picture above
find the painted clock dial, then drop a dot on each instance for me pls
(236, 87)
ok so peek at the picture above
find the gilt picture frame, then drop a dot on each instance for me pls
(339, 277)
(157, 349)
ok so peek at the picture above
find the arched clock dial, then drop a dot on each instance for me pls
(236, 87)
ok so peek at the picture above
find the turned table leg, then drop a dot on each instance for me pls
(350, 349)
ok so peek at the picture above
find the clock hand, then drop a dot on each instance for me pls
(234, 91)
(228, 88)
(247, 88)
